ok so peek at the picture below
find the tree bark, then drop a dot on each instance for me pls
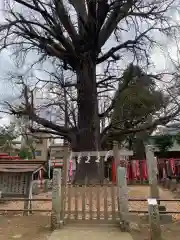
(88, 137)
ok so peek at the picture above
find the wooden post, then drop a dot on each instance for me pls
(56, 220)
(154, 220)
(115, 156)
(30, 195)
(101, 169)
(115, 152)
(26, 194)
(123, 198)
(152, 172)
(65, 165)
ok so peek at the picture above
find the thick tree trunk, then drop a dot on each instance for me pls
(88, 122)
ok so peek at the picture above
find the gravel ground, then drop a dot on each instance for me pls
(36, 226)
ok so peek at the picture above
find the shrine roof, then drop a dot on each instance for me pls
(20, 166)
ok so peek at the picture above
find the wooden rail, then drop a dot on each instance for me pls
(49, 199)
(86, 212)
(26, 199)
(25, 210)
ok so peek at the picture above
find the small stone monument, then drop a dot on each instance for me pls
(123, 198)
(153, 183)
(56, 217)
(154, 219)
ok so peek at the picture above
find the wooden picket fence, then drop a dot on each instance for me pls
(91, 203)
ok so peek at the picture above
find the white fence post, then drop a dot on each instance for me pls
(123, 198)
(56, 221)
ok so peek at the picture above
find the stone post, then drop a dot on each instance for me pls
(56, 220)
(66, 156)
(1, 201)
(153, 183)
(154, 220)
(152, 172)
(46, 185)
(123, 198)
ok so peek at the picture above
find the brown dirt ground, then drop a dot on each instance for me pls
(37, 226)
(169, 232)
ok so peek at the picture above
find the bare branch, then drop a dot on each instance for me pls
(118, 12)
(65, 20)
(144, 127)
(109, 109)
(37, 130)
(80, 7)
(75, 35)
(28, 110)
(126, 45)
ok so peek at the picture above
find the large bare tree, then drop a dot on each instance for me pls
(79, 35)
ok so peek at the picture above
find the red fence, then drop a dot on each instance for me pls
(137, 169)
(168, 167)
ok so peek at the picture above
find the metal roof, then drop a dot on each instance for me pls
(21, 161)
(17, 166)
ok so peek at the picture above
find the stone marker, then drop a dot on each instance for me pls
(56, 221)
(152, 172)
(66, 156)
(153, 183)
(123, 198)
(154, 220)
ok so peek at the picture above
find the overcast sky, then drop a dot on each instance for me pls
(9, 91)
